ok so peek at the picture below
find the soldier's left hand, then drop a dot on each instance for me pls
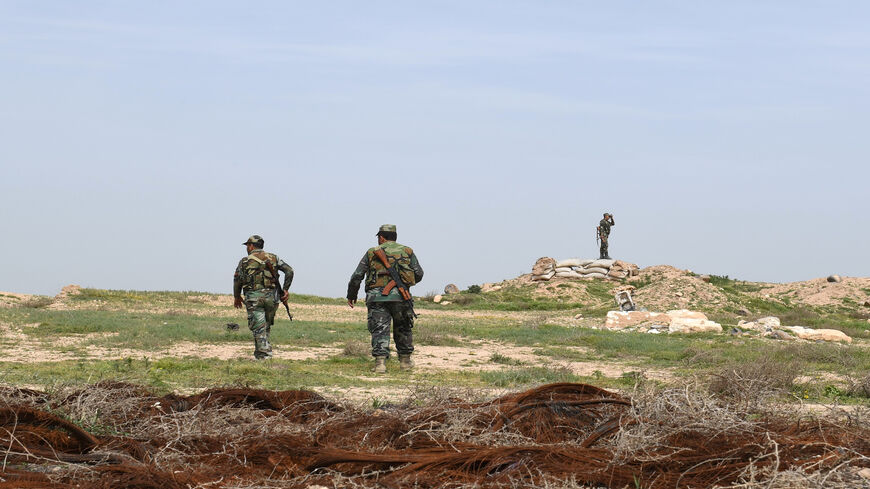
(237, 303)
(285, 296)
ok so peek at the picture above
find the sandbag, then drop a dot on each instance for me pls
(564, 269)
(602, 263)
(594, 275)
(546, 276)
(617, 273)
(572, 262)
(569, 275)
(589, 270)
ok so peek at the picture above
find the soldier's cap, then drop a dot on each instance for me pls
(387, 228)
(254, 240)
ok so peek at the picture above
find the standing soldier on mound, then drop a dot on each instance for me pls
(604, 233)
(257, 274)
(389, 270)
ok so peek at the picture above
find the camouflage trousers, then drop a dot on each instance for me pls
(380, 315)
(261, 308)
(603, 250)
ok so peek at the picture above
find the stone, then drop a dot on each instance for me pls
(685, 321)
(865, 473)
(769, 322)
(818, 334)
(543, 266)
(742, 312)
(444, 303)
(679, 294)
(578, 316)
(835, 278)
(705, 278)
(781, 335)
(867, 303)
(451, 289)
(438, 298)
(618, 320)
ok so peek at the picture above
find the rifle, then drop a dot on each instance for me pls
(396, 281)
(597, 233)
(278, 288)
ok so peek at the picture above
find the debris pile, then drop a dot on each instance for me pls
(229, 438)
(677, 321)
(771, 327)
(546, 268)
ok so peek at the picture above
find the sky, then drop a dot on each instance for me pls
(142, 142)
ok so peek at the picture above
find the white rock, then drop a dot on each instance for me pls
(685, 321)
(437, 298)
(679, 294)
(771, 321)
(444, 303)
(620, 320)
(835, 278)
(818, 334)
(578, 316)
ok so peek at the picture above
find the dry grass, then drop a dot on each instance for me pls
(182, 443)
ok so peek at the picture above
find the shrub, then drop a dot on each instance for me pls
(474, 289)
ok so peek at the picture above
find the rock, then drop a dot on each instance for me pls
(679, 294)
(865, 473)
(437, 298)
(578, 316)
(835, 279)
(618, 320)
(781, 335)
(451, 289)
(769, 321)
(543, 266)
(866, 303)
(742, 312)
(444, 303)
(685, 321)
(818, 334)
(705, 278)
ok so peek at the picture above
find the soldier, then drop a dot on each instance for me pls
(382, 308)
(257, 274)
(604, 233)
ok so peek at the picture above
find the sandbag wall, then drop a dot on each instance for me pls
(546, 268)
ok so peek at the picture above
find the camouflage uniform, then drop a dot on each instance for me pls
(253, 276)
(603, 234)
(384, 308)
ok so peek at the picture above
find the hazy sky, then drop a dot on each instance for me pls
(142, 142)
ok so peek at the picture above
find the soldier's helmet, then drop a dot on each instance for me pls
(388, 228)
(255, 240)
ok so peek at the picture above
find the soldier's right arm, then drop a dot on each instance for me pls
(357, 277)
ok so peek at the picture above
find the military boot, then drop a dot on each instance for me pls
(405, 362)
(380, 366)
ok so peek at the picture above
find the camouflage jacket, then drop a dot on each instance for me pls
(252, 273)
(604, 227)
(376, 276)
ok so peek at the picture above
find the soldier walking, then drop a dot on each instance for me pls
(257, 275)
(386, 298)
(604, 234)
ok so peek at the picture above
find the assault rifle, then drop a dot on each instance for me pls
(278, 288)
(395, 282)
(597, 233)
